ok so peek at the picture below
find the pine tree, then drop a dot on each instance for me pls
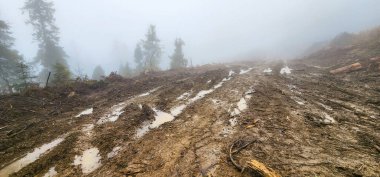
(61, 75)
(139, 59)
(177, 59)
(152, 50)
(9, 61)
(41, 17)
(98, 73)
(125, 70)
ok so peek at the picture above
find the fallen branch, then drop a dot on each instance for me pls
(254, 165)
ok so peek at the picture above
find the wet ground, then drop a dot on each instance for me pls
(302, 121)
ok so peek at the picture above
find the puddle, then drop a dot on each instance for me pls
(51, 172)
(242, 71)
(285, 70)
(89, 161)
(29, 158)
(268, 70)
(116, 111)
(184, 96)
(149, 92)
(85, 112)
(114, 152)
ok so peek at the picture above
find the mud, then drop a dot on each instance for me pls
(304, 122)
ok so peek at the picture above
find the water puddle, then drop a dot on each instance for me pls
(29, 158)
(85, 112)
(89, 161)
(285, 70)
(51, 172)
(116, 111)
(114, 152)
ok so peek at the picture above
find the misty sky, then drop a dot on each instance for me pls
(105, 32)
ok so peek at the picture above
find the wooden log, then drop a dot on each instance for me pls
(348, 68)
(262, 169)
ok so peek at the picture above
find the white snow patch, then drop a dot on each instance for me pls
(242, 71)
(183, 96)
(231, 73)
(298, 100)
(325, 106)
(268, 70)
(208, 81)
(143, 130)
(233, 122)
(85, 112)
(201, 94)
(116, 111)
(177, 110)
(51, 172)
(149, 92)
(235, 112)
(29, 158)
(242, 104)
(114, 152)
(140, 106)
(328, 118)
(285, 70)
(160, 118)
(87, 128)
(89, 161)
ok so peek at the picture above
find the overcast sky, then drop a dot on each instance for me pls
(105, 32)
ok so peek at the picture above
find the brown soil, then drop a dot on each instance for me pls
(307, 123)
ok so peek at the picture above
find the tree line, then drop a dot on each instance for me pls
(16, 75)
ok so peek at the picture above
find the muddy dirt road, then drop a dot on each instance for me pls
(301, 120)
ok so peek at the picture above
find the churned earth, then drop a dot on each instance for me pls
(299, 119)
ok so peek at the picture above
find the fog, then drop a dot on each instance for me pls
(95, 32)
